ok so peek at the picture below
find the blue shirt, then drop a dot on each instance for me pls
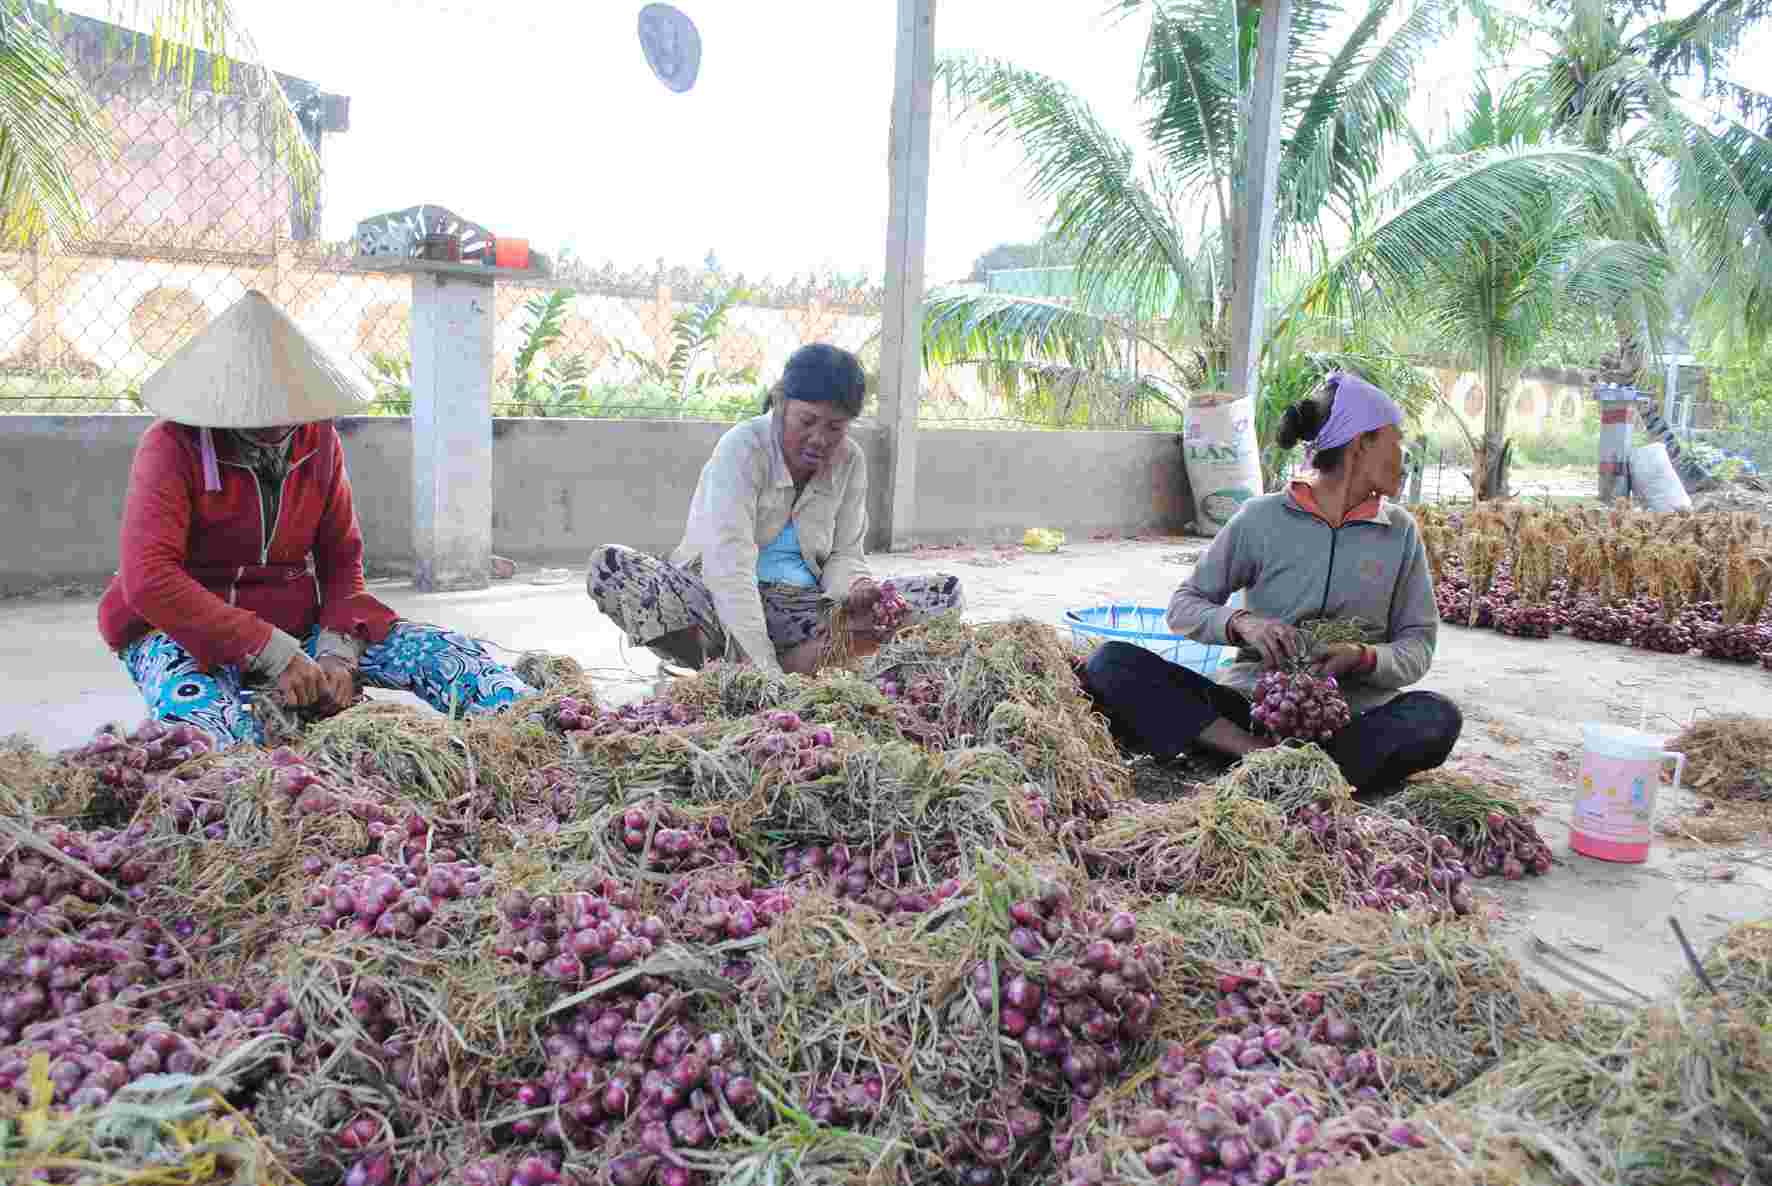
(781, 562)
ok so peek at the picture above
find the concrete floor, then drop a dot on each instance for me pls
(1524, 702)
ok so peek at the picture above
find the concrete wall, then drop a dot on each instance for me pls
(562, 487)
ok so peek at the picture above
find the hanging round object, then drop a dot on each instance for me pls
(672, 45)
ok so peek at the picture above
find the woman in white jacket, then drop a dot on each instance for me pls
(774, 541)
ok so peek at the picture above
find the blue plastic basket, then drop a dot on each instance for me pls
(1148, 627)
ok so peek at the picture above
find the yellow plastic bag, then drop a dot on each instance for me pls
(1041, 539)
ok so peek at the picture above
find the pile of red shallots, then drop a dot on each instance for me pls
(1592, 621)
(724, 903)
(374, 896)
(1514, 849)
(1452, 598)
(92, 1058)
(641, 717)
(917, 707)
(70, 958)
(880, 877)
(669, 841)
(1391, 864)
(1527, 621)
(31, 880)
(1300, 704)
(1288, 1093)
(579, 937)
(785, 744)
(892, 609)
(1735, 644)
(633, 1061)
(123, 761)
(1668, 638)
(1083, 998)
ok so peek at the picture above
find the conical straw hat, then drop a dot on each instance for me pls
(252, 367)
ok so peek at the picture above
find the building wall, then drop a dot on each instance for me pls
(562, 487)
(1543, 401)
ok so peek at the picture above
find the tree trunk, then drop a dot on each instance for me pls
(1489, 467)
(1627, 367)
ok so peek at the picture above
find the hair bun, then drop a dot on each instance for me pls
(1300, 422)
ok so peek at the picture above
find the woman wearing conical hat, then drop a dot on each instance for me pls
(241, 559)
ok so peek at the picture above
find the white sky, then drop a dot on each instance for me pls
(541, 118)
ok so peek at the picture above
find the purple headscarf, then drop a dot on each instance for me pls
(1359, 408)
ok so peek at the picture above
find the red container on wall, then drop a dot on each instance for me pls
(511, 253)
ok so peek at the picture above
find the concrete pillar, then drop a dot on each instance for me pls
(453, 316)
(1618, 409)
(901, 331)
(1255, 206)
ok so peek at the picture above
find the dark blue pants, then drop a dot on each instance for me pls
(1161, 708)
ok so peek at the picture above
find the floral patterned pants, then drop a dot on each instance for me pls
(449, 671)
(651, 599)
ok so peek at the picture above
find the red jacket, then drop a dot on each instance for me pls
(205, 568)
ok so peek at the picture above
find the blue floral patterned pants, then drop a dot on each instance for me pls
(447, 670)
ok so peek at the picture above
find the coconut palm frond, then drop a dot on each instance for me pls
(1462, 199)
(1751, 105)
(1068, 395)
(1700, 41)
(1721, 170)
(198, 44)
(1602, 273)
(988, 329)
(1353, 108)
(1122, 237)
(1023, 346)
(46, 117)
(1191, 77)
(1724, 206)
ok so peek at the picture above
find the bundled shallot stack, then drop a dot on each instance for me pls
(1294, 701)
(1531, 616)
(1746, 584)
(1483, 553)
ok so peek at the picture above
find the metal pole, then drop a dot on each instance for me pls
(901, 331)
(1667, 398)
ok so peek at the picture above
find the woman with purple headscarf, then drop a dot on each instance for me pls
(1332, 547)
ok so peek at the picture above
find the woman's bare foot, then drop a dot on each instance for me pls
(681, 648)
(1226, 738)
(805, 658)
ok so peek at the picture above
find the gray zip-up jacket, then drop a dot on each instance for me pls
(1292, 565)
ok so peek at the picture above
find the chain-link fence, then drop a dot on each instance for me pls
(1731, 442)
(196, 207)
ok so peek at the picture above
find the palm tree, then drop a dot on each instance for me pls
(1614, 81)
(1491, 240)
(47, 118)
(1153, 230)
